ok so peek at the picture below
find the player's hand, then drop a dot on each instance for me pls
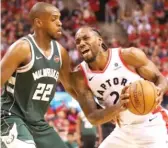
(124, 98)
(159, 98)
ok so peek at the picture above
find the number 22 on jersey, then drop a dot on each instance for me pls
(42, 92)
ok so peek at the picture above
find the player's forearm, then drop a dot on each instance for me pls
(162, 83)
(101, 116)
(94, 115)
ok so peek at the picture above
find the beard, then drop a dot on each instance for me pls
(90, 60)
(54, 37)
(93, 58)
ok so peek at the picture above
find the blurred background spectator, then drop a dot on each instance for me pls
(89, 136)
(123, 23)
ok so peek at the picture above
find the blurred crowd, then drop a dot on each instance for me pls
(64, 121)
(74, 128)
(144, 21)
(147, 28)
(146, 24)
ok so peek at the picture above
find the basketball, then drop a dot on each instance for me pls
(143, 96)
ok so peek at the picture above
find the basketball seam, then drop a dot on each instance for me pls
(133, 103)
(143, 95)
(154, 95)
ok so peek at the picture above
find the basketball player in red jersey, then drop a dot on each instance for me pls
(107, 72)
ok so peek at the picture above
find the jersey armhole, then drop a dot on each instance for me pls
(28, 66)
(59, 51)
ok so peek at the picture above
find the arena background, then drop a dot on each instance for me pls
(123, 23)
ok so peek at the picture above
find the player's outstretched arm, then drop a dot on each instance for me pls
(145, 67)
(86, 100)
(17, 54)
(65, 73)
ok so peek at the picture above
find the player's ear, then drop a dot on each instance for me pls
(38, 22)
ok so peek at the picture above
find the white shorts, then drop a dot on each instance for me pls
(149, 134)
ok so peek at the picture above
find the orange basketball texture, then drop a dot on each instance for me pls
(142, 97)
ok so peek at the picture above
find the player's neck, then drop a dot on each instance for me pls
(42, 41)
(100, 62)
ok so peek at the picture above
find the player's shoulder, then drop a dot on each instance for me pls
(131, 50)
(133, 56)
(18, 52)
(77, 68)
(20, 46)
(21, 43)
(82, 65)
(79, 78)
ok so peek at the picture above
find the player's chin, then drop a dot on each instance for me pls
(59, 34)
(89, 60)
(85, 57)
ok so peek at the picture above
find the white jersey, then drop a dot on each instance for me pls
(106, 85)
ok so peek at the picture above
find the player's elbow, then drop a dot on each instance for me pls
(93, 121)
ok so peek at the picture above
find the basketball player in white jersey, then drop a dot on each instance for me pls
(107, 72)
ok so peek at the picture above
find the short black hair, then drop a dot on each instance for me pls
(92, 29)
(104, 46)
(96, 31)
